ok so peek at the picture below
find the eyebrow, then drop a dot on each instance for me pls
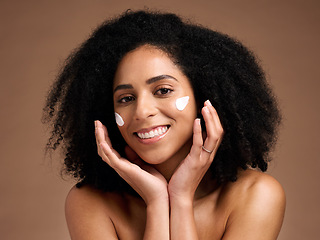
(149, 81)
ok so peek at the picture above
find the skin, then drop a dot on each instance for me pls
(178, 199)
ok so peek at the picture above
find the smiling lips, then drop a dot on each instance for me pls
(156, 132)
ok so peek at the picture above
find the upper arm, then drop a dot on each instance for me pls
(259, 212)
(87, 216)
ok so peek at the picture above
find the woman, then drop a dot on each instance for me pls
(183, 117)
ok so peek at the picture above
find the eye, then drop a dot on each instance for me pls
(163, 91)
(126, 99)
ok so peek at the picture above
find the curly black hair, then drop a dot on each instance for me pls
(219, 68)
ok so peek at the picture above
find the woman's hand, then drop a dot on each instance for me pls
(190, 172)
(143, 178)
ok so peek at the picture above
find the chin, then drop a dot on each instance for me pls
(153, 160)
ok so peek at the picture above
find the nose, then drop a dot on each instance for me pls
(145, 107)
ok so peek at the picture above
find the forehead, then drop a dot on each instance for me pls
(144, 63)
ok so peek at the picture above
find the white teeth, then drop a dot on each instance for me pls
(153, 133)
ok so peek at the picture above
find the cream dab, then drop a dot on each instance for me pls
(182, 102)
(119, 119)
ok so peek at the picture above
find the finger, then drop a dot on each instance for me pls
(112, 157)
(213, 127)
(104, 136)
(215, 116)
(99, 132)
(210, 128)
(98, 137)
(197, 139)
(102, 151)
(123, 167)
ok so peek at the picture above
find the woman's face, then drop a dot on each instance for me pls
(154, 105)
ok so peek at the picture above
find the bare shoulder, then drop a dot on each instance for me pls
(256, 183)
(88, 214)
(254, 188)
(88, 195)
(256, 199)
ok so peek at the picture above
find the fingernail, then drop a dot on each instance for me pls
(198, 121)
(95, 123)
(205, 108)
(208, 102)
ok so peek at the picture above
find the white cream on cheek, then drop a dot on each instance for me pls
(119, 119)
(182, 102)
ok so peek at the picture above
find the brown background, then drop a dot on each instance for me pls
(37, 35)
